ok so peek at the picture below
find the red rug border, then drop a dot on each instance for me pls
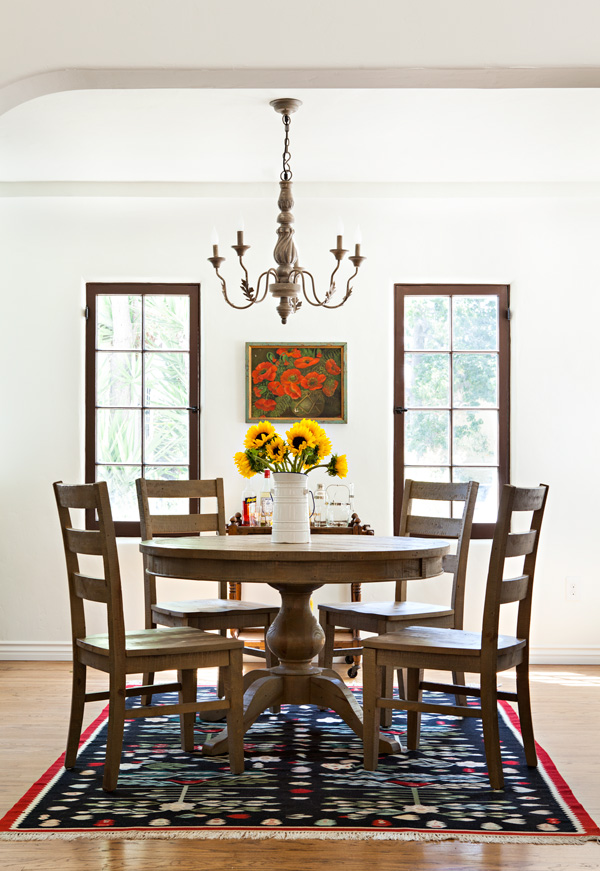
(560, 784)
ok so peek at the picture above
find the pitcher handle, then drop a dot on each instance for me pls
(312, 496)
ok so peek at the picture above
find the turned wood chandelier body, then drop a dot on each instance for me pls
(288, 281)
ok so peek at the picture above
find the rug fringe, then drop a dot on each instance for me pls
(474, 838)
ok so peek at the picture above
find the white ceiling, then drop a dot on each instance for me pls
(337, 136)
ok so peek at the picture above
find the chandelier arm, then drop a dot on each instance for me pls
(347, 294)
(226, 298)
(318, 302)
(269, 273)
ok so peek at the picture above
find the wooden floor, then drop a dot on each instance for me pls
(33, 716)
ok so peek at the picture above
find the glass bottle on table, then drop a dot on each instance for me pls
(320, 515)
(266, 500)
(249, 516)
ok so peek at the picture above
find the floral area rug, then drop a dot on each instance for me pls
(303, 779)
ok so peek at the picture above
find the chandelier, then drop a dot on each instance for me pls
(288, 281)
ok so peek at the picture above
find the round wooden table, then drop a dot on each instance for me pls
(295, 637)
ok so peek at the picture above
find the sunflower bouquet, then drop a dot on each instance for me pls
(305, 448)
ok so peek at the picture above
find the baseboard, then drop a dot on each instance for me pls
(50, 651)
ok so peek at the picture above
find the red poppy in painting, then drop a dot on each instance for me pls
(312, 381)
(293, 353)
(305, 362)
(329, 389)
(264, 372)
(291, 381)
(332, 367)
(265, 404)
(276, 388)
(257, 391)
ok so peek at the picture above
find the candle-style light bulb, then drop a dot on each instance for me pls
(214, 238)
(357, 242)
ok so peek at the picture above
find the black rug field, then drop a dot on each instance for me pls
(304, 779)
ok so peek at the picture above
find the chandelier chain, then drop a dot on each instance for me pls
(286, 174)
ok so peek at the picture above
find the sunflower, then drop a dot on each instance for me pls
(314, 427)
(243, 464)
(259, 434)
(299, 438)
(276, 449)
(338, 465)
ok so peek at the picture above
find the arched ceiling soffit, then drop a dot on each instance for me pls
(56, 81)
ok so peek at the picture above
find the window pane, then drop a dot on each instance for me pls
(118, 379)
(167, 379)
(121, 489)
(427, 380)
(168, 473)
(475, 323)
(118, 436)
(427, 323)
(475, 380)
(436, 474)
(119, 322)
(167, 322)
(475, 437)
(167, 436)
(486, 507)
(427, 437)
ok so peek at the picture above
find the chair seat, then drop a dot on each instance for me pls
(390, 610)
(161, 642)
(431, 640)
(213, 607)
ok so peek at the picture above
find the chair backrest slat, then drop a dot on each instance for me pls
(514, 589)
(433, 527)
(442, 492)
(192, 524)
(506, 545)
(458, 528)
(181, 489)
(520, 543)
(84, 541)
(93, 589)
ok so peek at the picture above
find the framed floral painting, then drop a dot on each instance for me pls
(288, 382)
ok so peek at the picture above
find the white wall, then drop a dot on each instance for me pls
(546, 248)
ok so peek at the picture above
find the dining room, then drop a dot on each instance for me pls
(125, 180)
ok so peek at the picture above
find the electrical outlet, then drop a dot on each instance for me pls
(572, 587)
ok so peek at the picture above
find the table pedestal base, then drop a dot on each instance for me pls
(324, 688)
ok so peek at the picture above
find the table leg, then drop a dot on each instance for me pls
(295, 637)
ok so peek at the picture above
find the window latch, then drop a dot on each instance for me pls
(193, 408)
(399, 409)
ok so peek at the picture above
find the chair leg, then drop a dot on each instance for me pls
(491, 730)
(147, 679)
(188, 692)
(413, 718)
(524, 703)
(76, 719)
(387, 692)
(233, 686)
(271, 661)
(116, 724)
(371, 683)
(401, 678)
(458, 677)
(326, 652)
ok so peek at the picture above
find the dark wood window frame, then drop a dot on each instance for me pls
(132, 528)
(502, 291)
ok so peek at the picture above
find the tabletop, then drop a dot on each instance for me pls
(327, 558)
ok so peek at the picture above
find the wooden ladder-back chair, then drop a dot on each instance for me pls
(487, 653)
(383, 617)
(120, 652)
(221, 614)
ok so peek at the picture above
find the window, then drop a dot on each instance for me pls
(142, 389)
(451, 388)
